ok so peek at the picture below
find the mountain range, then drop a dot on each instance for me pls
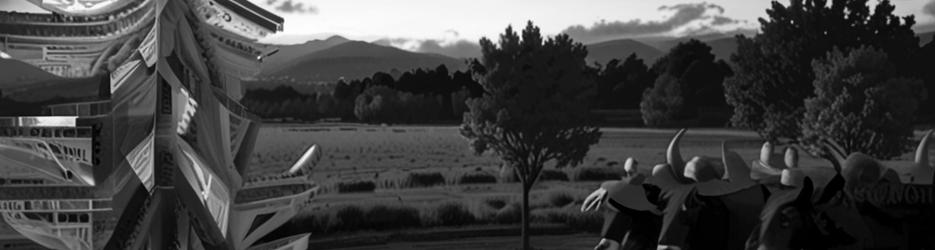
(337, 57)
(334, 58)
(287, 53)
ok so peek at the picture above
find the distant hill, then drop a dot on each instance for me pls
(925, 37)
(603, 52)
(15, 72)
(722, 44)
(722, 48)
(356, 59)
(287, 53)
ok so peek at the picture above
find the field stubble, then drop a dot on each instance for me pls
(426, 167)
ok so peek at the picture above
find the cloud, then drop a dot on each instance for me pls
(394, 42)
(929, 8)
(292, 7)
(457, 48)
(706, 15)
(722, 20)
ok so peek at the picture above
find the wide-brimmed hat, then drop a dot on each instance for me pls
(630, 193)
(728, 176)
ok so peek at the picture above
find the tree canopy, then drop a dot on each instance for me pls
(535, 109)
(861, 103)
(620, 84)
(773, 73)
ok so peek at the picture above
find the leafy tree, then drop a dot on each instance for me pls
(773, 73)
(535, 109)
(377, 104)
(383, 79)
(620, 85)
(342, 90)
(458, 99)
(662, 104)
(326, 105)
(309, 109)
(861, 103)
(927, 55)
(700, 77)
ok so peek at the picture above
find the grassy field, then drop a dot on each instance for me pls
(367, 172)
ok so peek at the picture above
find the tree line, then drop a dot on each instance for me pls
(437, 95)
(417, 96)
(805, 75)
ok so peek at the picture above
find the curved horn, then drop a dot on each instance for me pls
(673, 155)
(792, 157)
(922, 152)
(766, 152)
(630, 166)
(735, 170)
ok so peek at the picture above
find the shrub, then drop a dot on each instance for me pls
(453, 214)
(423, 180)
(477, 178)
(558, 198)
(662, 104)
(316, 223)
(357, 186)
(552, 175)
(595, 174)
(508, 175)
(861, 103)
(589, 222)
(509, 214)
(381, 217)
(350, 218)
(376, 104)
(495, 203)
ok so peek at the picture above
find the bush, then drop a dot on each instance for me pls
(509, 214)
(589, 222)
(423, 180)
(316, 223)
(552, 175)
(381, 217)
(861, 103)
(477, 178)
(350, 218)
(508, 175)
(559, 198)
(358, 186)
(662, 104)
(376, 104)
(495, 203)
(596, 174)
(453, 214)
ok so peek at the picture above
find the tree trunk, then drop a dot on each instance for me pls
(525, 216)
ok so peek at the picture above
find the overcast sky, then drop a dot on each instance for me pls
(412, 23)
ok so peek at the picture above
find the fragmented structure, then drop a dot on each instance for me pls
(141, 142)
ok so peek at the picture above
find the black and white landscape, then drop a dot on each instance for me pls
(325, 124)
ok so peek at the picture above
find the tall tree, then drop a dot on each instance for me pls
(927, 58)
(861, 103)
(535, 109)
(699, 76)
(773, 73)
(620, 85)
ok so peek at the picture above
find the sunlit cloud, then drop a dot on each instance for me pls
(704, 16)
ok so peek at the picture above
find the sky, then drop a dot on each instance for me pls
(448, 21)
(446, 24)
